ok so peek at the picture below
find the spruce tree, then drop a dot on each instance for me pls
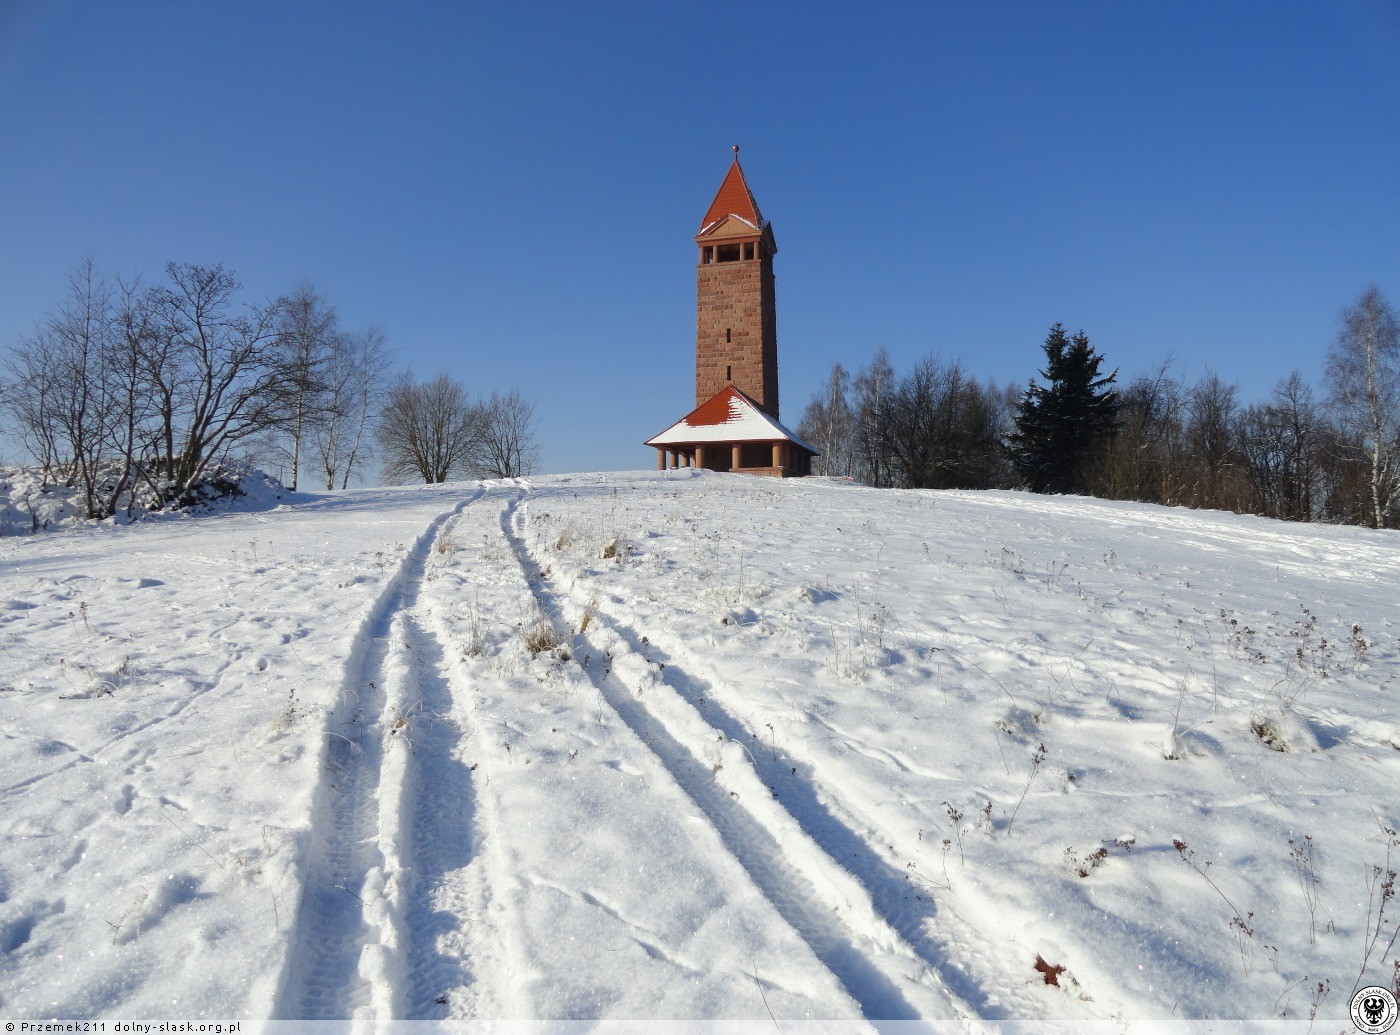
(1059, 424)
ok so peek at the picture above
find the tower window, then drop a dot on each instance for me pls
(728, 373)
(727, 253)
(728, 335)
(707, 255)
(748, 250)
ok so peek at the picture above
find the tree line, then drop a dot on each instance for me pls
(1302, 455)
(138, 394)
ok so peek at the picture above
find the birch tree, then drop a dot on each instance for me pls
(874, 390)
(1363, 375)
(355, 385)
(828, 425)
(307, 336)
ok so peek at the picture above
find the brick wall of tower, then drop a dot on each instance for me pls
(737, 298)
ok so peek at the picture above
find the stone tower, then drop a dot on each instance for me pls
(734, 426)
(736, 323)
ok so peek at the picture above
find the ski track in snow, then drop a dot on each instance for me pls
(441, 808)
(360, 931)
(869, 954)
(794, 784)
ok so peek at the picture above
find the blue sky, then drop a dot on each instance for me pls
(510, 190)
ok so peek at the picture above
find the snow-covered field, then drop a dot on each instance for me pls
(688, 745)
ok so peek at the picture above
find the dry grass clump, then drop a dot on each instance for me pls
(540, 634)
(567, 537)
(476, 641)
(589, 611)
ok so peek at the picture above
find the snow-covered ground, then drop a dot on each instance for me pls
(687, 745)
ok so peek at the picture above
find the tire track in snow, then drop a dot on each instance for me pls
(811, 892)
(349, 947)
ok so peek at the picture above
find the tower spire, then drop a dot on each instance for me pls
(734, 199)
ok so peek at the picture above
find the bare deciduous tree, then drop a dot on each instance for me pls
(29, 392)
(1144, 461)
(219, 370)
(133, 335)
(1363, 375)
(121, 386)
(427, 429)
(1280, 441)
(943, 429)
(1212, 436)
(507, 446)
(66, 381)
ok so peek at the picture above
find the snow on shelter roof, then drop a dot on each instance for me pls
(727, 416)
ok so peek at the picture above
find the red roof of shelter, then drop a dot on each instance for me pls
(734, 198)
(727, 416)
(717, 410)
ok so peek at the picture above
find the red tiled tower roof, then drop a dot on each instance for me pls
(734, 198)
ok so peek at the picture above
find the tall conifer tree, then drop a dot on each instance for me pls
(1060, 424)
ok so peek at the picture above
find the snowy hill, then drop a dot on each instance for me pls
(698, 746)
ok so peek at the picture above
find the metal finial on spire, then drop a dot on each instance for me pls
(736, 150)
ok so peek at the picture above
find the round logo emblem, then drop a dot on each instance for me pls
(1373, 1010)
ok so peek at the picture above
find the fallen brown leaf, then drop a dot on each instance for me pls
(1049, 971)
